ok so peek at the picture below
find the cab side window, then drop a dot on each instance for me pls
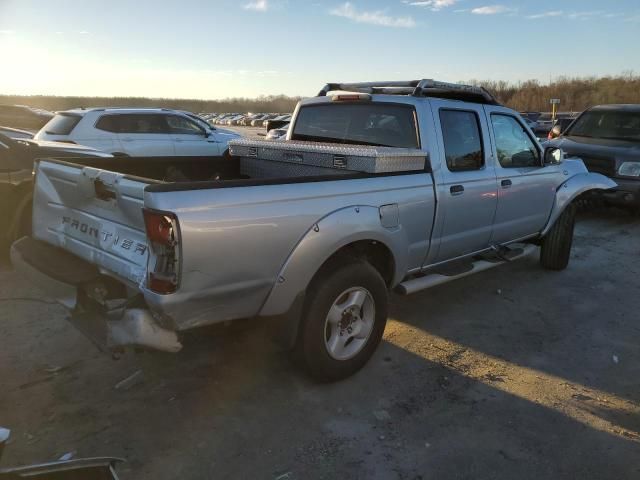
(109, 123)
(515, 147)
(182, 126)
(462, 140)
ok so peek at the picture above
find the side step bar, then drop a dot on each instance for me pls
(433, 279)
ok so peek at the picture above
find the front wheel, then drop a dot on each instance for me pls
(343, 322)
(556, 245)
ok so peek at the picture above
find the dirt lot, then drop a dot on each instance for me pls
(515, 373)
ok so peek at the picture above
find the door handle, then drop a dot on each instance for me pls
(127, 139)
(506, 183)
(457, 190)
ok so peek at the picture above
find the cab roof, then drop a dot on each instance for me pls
(625, 107)
(417, 88)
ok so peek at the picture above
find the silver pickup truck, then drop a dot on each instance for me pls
(378, 186)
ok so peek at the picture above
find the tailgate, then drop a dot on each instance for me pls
(94, 214)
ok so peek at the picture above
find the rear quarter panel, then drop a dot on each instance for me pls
(235, 241)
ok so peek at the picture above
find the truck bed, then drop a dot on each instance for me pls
(233, 239)
(265, 162)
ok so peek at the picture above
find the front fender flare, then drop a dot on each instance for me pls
(571, 189)
(321, 241)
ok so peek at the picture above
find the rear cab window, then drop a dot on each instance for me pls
(379, 124)
(62, 124)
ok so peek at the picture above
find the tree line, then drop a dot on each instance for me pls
(270, 104)
(575, 93)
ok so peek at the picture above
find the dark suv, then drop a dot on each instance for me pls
(16, 180)
(20, 116)
(607, 139)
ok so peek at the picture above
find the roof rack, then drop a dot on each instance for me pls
(417, 88)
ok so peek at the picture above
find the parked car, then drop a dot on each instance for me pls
(237, 120)
(246, 121)
(560, 125)
(16, 133)
(530, 123)
(16, 180)
(607, 139)
(261, 121)
(217, 119)
(138, 132)
(533, 116)
(21, 116)
(543, 126)
(278, 133)
(277, 122)
(402, 190)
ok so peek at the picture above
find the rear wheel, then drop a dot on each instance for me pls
(556, 245)
(343, 321)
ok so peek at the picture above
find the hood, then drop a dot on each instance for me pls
(230, 133)
(597, 147)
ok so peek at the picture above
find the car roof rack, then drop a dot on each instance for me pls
(417, 88)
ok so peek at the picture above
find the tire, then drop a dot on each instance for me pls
(556, 245)
(320, 347)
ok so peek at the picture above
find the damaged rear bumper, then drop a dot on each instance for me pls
(61, 276)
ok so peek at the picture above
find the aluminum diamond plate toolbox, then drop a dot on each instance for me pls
(356, 158)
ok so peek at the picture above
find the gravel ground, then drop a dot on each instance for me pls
(514, 373)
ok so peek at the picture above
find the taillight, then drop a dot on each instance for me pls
(163, 264)
(159, 227)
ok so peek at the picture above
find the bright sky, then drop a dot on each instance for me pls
(225, 48)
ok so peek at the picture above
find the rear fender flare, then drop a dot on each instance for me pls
(572, 189)
(321, 241)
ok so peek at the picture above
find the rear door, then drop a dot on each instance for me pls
(526, 187)
(467, 193)
(190, 139)
(145, 135)
(94, 214)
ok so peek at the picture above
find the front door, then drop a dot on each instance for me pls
(468, 191)
(190, 139)
(526, 187)
(144, 135)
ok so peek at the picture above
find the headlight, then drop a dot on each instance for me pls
(629, 169)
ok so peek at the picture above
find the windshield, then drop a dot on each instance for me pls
(610, 124)
(61, 124)
(382, 124)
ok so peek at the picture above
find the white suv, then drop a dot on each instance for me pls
(138, 132)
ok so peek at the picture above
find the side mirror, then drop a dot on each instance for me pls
(555, 132)
(553, 156)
